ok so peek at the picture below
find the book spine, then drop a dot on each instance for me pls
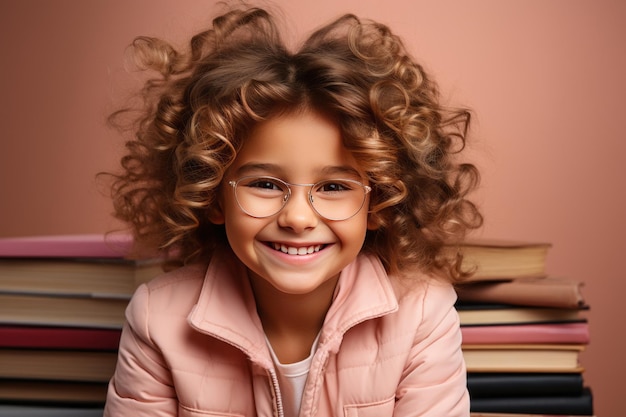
(59, 338)
(489, 385)
(479, 414)
(577, 333)
(576, 405)
(57, 246)
(541, 292)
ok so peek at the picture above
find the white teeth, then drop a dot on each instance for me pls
(291, 250)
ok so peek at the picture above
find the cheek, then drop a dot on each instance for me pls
(241, 231)
(237, 227)
(354, 231)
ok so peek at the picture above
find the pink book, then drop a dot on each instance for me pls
(66, 246)
(59, 337)
(541, 292)
(552, 333)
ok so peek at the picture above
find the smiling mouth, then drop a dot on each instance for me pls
(292, 250)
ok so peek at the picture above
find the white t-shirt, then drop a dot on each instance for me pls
(291, 379)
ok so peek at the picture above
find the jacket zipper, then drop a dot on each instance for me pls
(312, 387)
(278, 399)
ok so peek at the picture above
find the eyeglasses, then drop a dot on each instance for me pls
(334, 199)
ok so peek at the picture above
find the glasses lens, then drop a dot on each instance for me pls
(338, 199)
(261, 196)
(332, 199)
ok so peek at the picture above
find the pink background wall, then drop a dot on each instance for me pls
(545, 78)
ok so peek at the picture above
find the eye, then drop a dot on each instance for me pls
(266, 186)
(264, 183)
(333, 186)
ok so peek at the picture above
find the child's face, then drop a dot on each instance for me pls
(298, 149)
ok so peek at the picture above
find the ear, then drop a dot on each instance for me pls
(216, 218)
(216, 214)
(373, 221)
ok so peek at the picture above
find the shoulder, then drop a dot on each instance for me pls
(184, 277)
(423, 290)
(426, 301)
(175, 290)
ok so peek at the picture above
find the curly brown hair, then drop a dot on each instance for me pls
(204, 102)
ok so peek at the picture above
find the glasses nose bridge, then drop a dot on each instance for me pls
(289, 192)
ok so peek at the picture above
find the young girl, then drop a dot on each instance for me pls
(308, 201)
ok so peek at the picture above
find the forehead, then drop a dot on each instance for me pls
(296, 147)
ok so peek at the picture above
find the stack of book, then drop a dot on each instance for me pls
(62, 303)
(523, 332)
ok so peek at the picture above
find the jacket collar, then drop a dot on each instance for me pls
(226, 308)
(363, 292)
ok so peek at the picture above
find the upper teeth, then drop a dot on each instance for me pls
(291, 250)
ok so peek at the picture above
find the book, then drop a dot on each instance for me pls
(523, 358)
(63, 310)
(533, 384)
(573, 332)
(22, 410)
(88, 265)
(51, 391)
(67, 246)
(541, 292)
(478, 414)
(560, 405)
(60, 365)
(59, 337)
(106, 277)
(504, 260)
(494, 314)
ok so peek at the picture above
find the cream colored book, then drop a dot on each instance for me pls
(523, 357)
(504, 260)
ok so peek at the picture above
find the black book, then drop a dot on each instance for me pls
(483, 385)
(581, 405)
(31, 410)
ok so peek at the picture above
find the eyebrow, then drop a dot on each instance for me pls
(340, 170)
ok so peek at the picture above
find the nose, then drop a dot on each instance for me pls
(298, 214)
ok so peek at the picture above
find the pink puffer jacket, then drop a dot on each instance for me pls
(194, 346)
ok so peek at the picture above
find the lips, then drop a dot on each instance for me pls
(299, 250)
